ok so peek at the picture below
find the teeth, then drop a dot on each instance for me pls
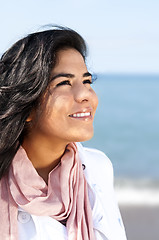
(81, 114)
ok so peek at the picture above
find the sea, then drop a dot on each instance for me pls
(126, 129)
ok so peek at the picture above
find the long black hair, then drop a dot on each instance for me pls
(24, 77)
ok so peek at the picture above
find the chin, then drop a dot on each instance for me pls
(84, 137)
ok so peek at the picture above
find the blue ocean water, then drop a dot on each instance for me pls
(127, 129)
(127, 124)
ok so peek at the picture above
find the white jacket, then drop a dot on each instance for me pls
(106, 216)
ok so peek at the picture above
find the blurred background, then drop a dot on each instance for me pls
(123, 42)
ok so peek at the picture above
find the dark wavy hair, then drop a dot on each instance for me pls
(25, 71)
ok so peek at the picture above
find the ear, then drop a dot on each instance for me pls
(29, 119)
(31, 116)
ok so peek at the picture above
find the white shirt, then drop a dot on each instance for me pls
(107, 220)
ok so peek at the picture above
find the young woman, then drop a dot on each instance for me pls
(52, 187)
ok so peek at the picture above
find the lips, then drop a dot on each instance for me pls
(86, 113)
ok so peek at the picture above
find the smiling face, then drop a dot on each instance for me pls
(71, 103)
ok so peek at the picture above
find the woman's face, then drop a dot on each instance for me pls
(71, 104)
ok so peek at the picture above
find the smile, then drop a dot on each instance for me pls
(81, 115)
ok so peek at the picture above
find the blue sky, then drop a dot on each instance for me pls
(122, 36)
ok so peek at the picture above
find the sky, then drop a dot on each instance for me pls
(122, 36)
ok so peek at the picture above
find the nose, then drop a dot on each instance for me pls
(82, 92)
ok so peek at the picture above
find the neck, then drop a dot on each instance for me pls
(44, 155)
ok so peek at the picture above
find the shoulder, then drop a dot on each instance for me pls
(93, 156)
(97, 163)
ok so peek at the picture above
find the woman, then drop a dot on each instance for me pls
(51, 186)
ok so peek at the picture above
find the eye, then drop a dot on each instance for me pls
(65, 82)
(87, 81)
(91, 79)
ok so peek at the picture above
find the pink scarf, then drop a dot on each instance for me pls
(65, 197)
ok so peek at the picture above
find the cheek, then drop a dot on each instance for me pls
(58, 105)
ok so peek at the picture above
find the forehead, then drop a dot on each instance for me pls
(69, 59)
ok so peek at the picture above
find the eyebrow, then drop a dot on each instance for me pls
(69, 75)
